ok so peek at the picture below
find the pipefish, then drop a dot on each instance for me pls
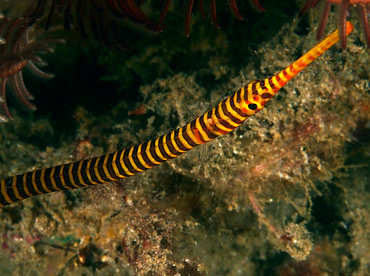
(224, 118)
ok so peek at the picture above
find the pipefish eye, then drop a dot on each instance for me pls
(255, 103)
(252, 106)
(222, 119)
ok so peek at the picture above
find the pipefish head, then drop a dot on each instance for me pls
(252, 103)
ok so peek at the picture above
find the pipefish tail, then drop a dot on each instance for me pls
(225, 117)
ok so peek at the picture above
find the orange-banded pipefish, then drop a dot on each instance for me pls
(222, 119)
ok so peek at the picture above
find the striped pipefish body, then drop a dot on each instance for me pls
(222, 119)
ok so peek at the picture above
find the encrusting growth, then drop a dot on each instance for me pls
(225, 117)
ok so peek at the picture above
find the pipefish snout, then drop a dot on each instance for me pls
(225, 117)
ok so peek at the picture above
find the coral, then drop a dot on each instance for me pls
(362, 8)
(17, 52)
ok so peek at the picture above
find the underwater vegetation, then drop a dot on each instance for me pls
(285, 194)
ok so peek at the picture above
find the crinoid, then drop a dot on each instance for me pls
(17, 51)
(107, 18)
(212, 11)
(362, 8)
